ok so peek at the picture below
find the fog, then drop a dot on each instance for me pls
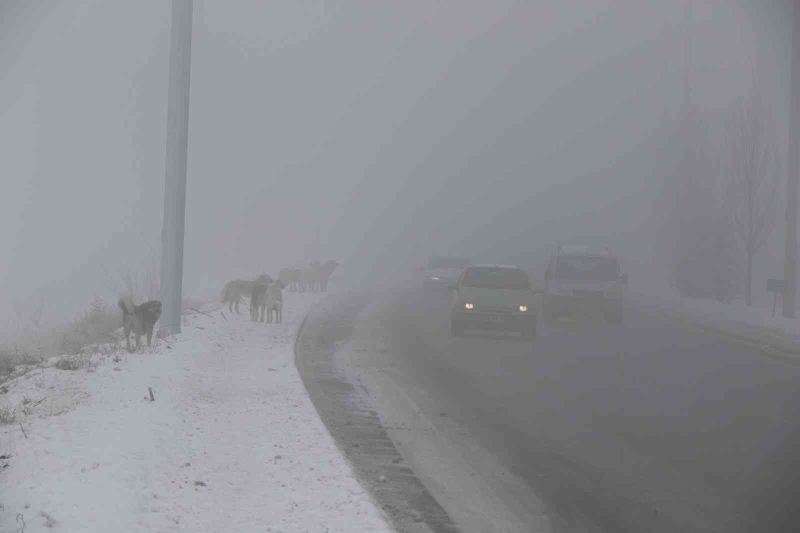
(654, 393)
(372, 133)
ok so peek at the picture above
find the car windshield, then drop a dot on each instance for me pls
(496, 278)
(586, 268)
(447, 262)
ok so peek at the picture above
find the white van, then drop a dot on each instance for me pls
(581, 280)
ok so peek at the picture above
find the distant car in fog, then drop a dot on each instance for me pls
(494, 297)
(441, 271)
(583, 280)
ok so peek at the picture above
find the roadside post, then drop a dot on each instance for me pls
(776, 286)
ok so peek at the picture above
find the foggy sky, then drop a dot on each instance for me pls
(395, 130)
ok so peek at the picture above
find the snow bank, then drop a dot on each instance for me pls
(231, 442)
(752, 323)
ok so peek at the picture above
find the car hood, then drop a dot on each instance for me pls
(495, 297)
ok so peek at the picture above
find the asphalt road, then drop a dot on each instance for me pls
(645, 426)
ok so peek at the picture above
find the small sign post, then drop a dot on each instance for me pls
(776, 286)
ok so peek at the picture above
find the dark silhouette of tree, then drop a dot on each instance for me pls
(751, 178)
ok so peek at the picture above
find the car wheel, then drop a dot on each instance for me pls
(456, 328)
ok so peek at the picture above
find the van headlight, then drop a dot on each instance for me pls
(468, 306)
(523, 308)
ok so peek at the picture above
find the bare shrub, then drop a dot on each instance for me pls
(96, 326)
(72, 362)
(11, 357)
(95, 332)
(23, 356)
(141, 284)
(6, 363)
(7, 416)
(49, 521)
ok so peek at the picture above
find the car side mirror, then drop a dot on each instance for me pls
(623, 278)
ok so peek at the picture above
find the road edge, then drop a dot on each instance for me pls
(355, 426)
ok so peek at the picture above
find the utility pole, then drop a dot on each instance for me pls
(790, 264)
(175, 175)
(688, 30)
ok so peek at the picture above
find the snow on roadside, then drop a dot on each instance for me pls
(756, 322)
(231, 442)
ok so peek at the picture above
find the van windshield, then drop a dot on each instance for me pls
(496, 278)
(587, 268)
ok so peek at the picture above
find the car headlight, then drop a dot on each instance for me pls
(523, 308)
(434, 278)
(468, 306)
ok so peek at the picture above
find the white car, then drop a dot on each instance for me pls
(441, 271)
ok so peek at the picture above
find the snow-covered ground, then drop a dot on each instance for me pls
(231, 442)
(755, 323)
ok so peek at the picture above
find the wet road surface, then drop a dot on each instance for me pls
(644, 426)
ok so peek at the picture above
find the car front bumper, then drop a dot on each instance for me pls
(498, 321)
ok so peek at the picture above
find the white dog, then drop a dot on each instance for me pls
(235, 290)
(275, 302)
